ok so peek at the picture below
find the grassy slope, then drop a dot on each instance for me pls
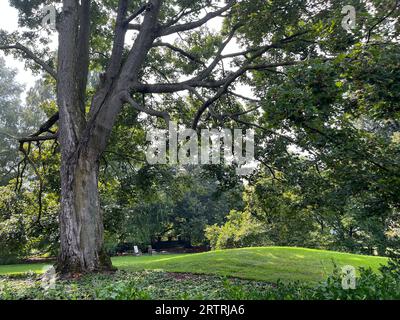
(265, 264)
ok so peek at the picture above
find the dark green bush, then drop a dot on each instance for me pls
(369, 286)
(122, 291)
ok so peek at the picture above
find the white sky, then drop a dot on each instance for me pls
(9, 22)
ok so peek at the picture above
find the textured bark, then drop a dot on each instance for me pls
(83, 137)
(81, 223)
(83, 142)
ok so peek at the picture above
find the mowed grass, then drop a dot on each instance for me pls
(14, 269)
(263, 264)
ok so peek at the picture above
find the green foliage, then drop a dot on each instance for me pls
(333, 153)
(327, 134)
(12, 225)
(121, 291)
(241, 230)
(28, 198)
(10, 110)
(369, 286)
(22, 232)
(160, 285)
(123, 286)
(153, 202)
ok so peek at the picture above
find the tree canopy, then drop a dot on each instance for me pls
(324, 103)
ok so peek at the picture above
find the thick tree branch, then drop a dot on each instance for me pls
(182, 52)
(30, 55)
(142, 45)
(198, 23)
(164, 115)
(195, 83)
(135, 26)
(199, 80)
(47, 125)
(44, 128)
(38, 138)
(115, 62)
(119, 40)
(137, 13)
(108, 101)
(83, 52)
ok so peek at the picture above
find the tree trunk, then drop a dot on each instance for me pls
(83, 137)
(81, 222)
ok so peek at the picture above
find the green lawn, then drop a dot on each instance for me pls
(264, 264)
(22, 268)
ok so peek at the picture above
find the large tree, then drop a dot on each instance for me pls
(171, 51)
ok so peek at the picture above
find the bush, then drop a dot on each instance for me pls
(12, 240)
(122, 291)
(21, 234)
(369, 286)
(12, 231)
(240, 230)
(110, 243)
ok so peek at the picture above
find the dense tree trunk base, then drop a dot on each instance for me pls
(78, 276)
(67, 274)
(74, 268)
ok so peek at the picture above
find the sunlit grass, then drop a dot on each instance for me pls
(23, 268)
(264, 264)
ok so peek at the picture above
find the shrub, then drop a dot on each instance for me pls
(240, 230)
(369, 286)
(121, 291)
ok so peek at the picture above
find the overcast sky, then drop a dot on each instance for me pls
(9, 22)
